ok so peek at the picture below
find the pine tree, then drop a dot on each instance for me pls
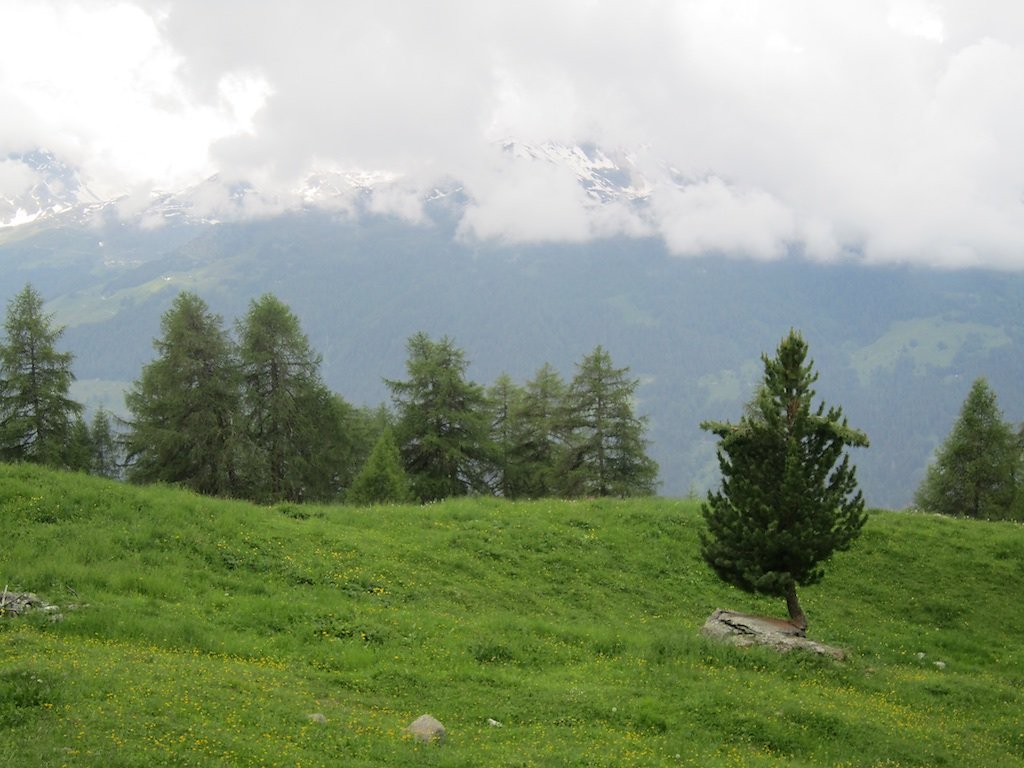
(296, 426)
(37, 415)
(184, 408)
(382, 480)
(976, 472)
(606, 452)
(442, 427)
(789, 495)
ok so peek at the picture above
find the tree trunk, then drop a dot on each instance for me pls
(796, 614)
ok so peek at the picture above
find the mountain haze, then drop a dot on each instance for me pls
(896, 347)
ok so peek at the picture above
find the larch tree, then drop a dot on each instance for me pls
(789, 496)
(442, 424)
(504, 399)
(977, 470)
(295, 425)
(183, 426)
(539, 435)
(37, 414)
(605, 452)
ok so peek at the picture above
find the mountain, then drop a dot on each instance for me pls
(897, 347)
(55, 190)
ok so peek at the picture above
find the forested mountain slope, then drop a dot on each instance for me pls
(898, 348)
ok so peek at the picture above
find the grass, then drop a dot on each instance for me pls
(208, 631)
(930, 342)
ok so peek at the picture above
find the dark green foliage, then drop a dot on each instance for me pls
(605, 452)
(789, 495)
(106, 456)
(382, 480)
(296, 427)
(37, 416)
(185, 407)
(538, 435)
(505, 403)
(977, 470)
(442, 429)
(79, 449)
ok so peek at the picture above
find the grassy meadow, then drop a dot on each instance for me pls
(207, 632)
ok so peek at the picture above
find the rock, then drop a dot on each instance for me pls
(18, 603)
(317, 717)
(493, 723)
(743, 631)
(425, 728)
(940, 664)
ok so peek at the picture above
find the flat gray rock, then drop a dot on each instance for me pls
(743, 630)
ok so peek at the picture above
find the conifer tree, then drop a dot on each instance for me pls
(382, 480)
(79, 448)
(296, 426)
(37, 415)
(442, 428)
(789, 495)
(184, 409)
(505, 402)
(539, 434)
(605, 452)
(977, 470)
(106, 452)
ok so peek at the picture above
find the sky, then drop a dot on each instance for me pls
(877, 130)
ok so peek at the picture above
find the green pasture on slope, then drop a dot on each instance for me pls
(206, 632)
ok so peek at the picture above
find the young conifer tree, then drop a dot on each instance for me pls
(789, 495)
(976, 472)
(382, 480)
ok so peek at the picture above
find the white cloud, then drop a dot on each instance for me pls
(710, 216)
(886, 127)
(15, 178)
(524, 200)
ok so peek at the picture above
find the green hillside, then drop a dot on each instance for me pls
(208, 631)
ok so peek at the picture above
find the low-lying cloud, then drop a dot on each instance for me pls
(884, 130)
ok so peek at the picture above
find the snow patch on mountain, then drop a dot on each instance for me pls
(47, 189)
(37, 185)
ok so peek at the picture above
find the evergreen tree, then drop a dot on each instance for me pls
(505, 402)
(442, 427)
(106, 452)
(789, 495)
(296, 426)
(79, 449)
(37, 415)
(382, 479)
(605, 452)
(184, 408)
(976, 472)
(539, 435)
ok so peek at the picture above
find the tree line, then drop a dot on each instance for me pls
(247, 415)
